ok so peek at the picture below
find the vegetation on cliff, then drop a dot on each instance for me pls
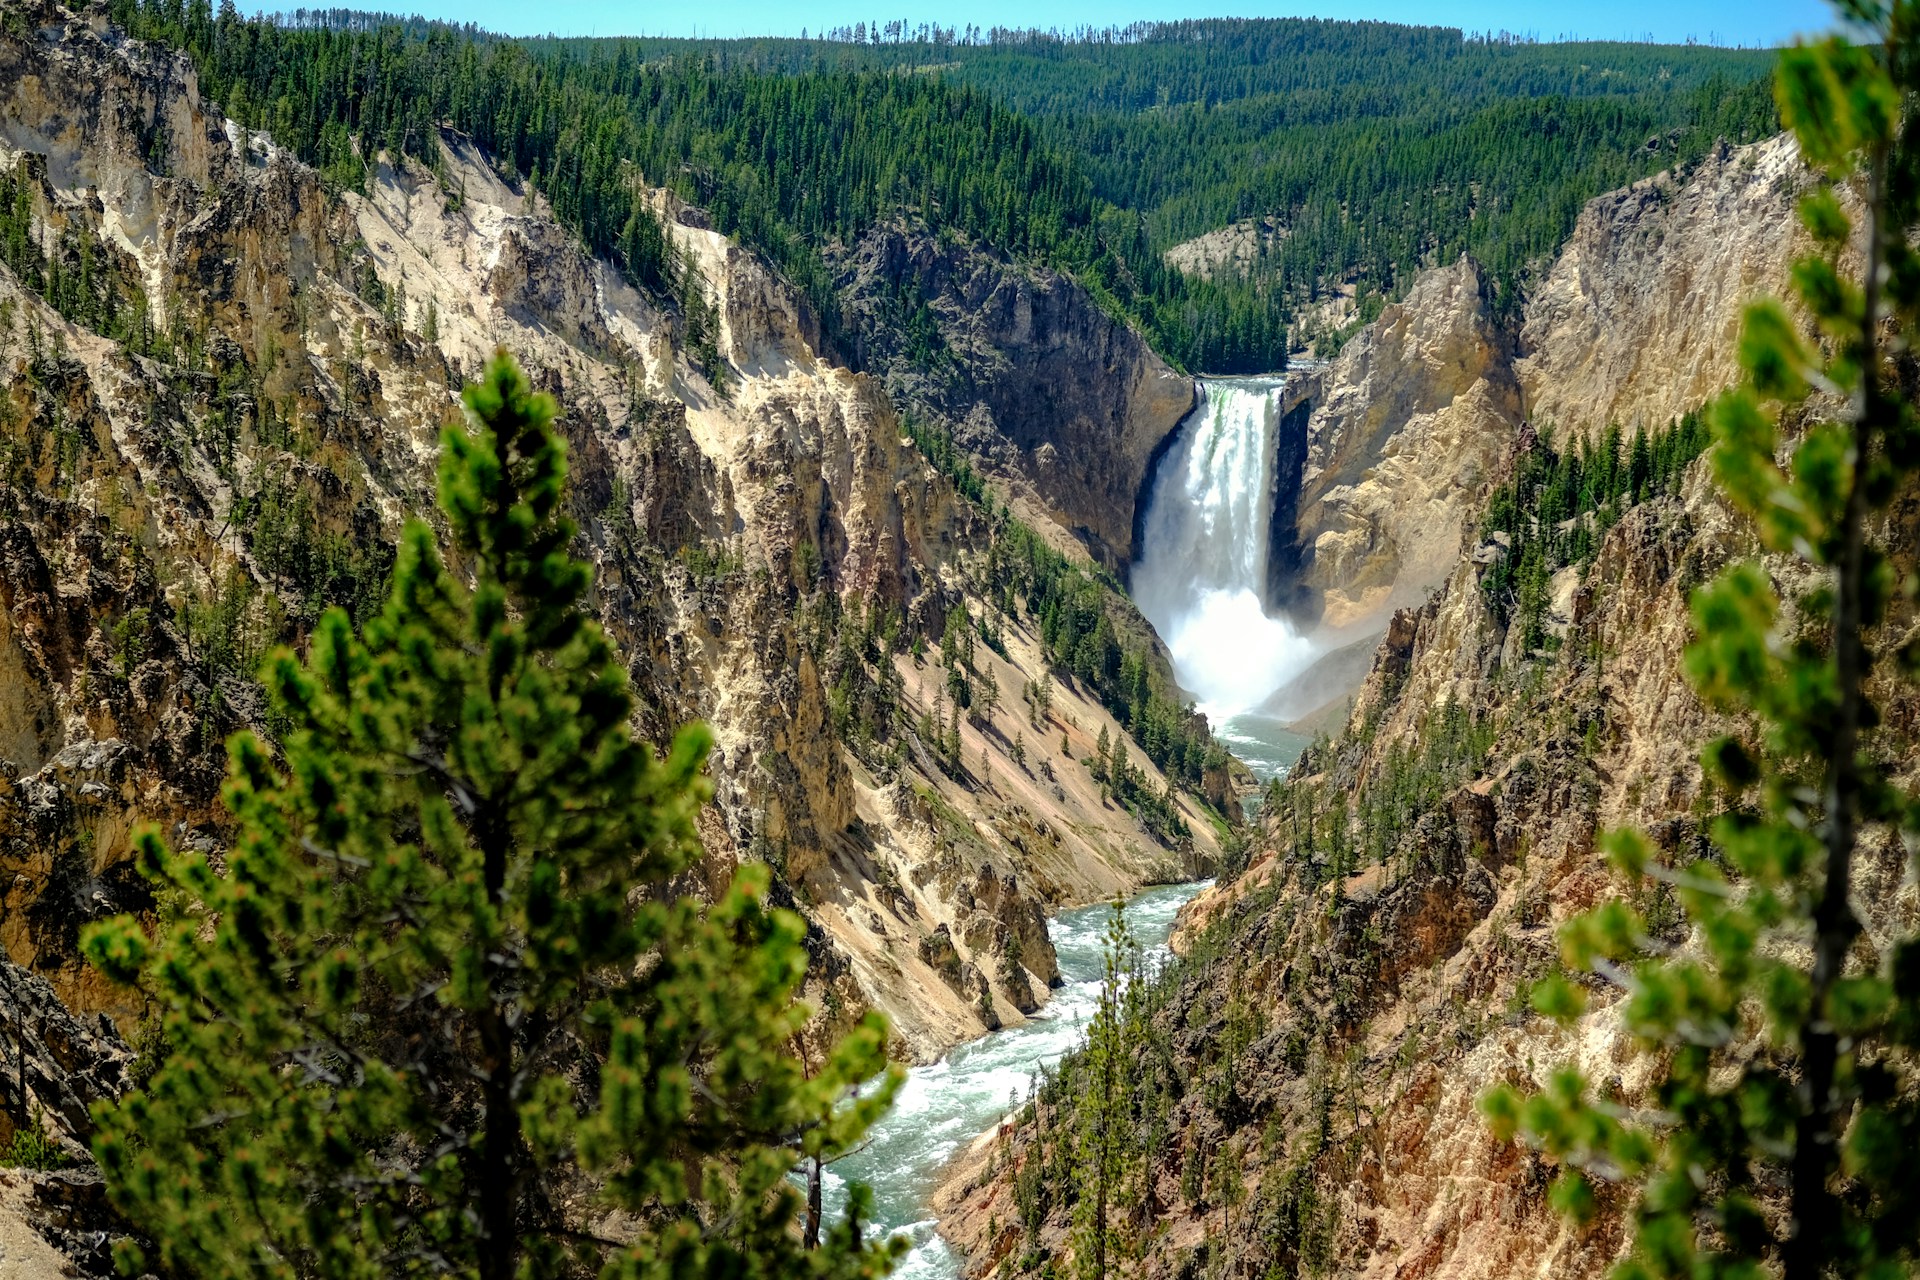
(1394, 926)
(1780, 1132)
(1092, 633)
(443, 982)
(1355, 135)
(1559, 503)
(71, 272)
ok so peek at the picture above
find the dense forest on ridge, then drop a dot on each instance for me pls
(1377, 148)
(1377, 145)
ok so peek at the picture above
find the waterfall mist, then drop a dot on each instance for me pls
(1201, 578)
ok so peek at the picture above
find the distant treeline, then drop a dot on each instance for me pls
(1379, 148)
(1376, 148)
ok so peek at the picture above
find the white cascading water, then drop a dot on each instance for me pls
(1201, 578)
(948, 1104)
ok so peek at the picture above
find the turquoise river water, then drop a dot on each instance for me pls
(947, 1104)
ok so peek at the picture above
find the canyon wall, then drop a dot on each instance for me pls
(1409, 424)
(1347, 998)
(1633, 324)
(225, 431)
(1060, 401)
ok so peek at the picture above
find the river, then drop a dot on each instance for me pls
(1203, 583)
(947, 1104)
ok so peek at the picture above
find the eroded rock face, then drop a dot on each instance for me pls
(1408, 427)
(1026, 369)
(1635, 324)
(54, 1065)
(172, 507)
(1230, 251)
(1639, 318)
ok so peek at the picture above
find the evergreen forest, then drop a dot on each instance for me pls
(1374, 149)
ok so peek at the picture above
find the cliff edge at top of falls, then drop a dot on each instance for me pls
(1060, 400)
(1349, 995)
(186, 487)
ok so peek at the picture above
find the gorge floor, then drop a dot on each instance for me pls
(948, 1104)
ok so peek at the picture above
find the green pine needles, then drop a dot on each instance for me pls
(1108, 1167)
(1780, 1140)
(440, 1010)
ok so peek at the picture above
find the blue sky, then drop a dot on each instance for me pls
(1718, 21)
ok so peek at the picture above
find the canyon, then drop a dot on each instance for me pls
(190, 479)
(193, 467)
(1322, 1051)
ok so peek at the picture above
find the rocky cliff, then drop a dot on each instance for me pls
(1063, 403)
(221, 385)
(1632, 325)
(1313, 1065)
(1637, 321)
(1408, 426)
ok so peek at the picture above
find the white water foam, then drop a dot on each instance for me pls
(1202, 577)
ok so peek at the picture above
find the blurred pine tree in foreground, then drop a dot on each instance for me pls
(1781, 1137)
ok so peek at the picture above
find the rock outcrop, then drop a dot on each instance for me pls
(54, 1216)
(53, 1064)
(1638, 320)
(1635, 323)
(1230, 251)
(1409, 426)
(1048, 390)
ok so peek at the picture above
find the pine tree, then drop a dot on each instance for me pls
(1781, 1133)
(440, 978)
(1639, 465)
(1104, 1106)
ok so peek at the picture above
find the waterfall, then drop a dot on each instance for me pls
(1201, 578)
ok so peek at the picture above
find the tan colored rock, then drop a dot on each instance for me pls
(721, 507)
(1230, 251)
(1639, 319)
(1389, 1003)
(24, 1252)
(1409, 425)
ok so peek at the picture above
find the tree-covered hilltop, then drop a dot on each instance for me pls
(1376, 147)
(1210, 61)
(786, 162)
